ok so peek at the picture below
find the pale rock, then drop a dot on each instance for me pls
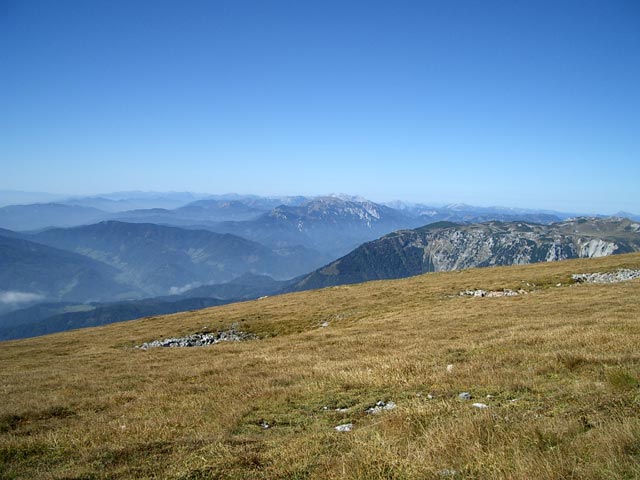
(345, 427)
(447, 472)
(380, 406)
(200, 339)
(621, 275)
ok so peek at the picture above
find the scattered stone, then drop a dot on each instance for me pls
(200, 339)
(324, 324)
(492, 293)
(380, 406)
(264, 424)
(480, 405)
(430, 397)
(504, 293)
(345, 427)
(342, 410)
(558, 284)
(621, 275)
(447, 472)
(489, 396)
(464, 396)
(473, 293)
(450, 368)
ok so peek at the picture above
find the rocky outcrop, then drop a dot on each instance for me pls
(622, 275)
(447, 246)
(200, 339)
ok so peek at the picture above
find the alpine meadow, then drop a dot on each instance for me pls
(557, 368)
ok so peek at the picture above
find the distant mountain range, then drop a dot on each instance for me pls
(43, 215)
(198, 211)
(628, 215)
(331, 225)
(124, 201)
(177, 209)
(218, 249)
(435, 247)
(158, 260)
(112, 261)
(469, 214)
(449, 246)
(31, 272)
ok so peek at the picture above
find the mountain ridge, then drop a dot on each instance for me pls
(448, 246)
(156, 258)
(188, 210)
(27, 266)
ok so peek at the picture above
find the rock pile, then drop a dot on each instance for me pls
(621, 275)
(492, 293)
(380, 406)
(200, 339)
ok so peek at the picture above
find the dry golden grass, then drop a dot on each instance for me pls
(562, 364)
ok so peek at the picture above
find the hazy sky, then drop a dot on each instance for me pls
(531, 104)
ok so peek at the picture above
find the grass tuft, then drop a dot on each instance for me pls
(622, 379)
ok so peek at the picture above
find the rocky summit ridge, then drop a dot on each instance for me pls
(448, 246)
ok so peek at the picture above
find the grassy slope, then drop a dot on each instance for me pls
(84, 404)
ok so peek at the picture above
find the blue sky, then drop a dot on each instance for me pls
(528, 104)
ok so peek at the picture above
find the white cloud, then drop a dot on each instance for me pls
(179, 290)
(9, 297)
